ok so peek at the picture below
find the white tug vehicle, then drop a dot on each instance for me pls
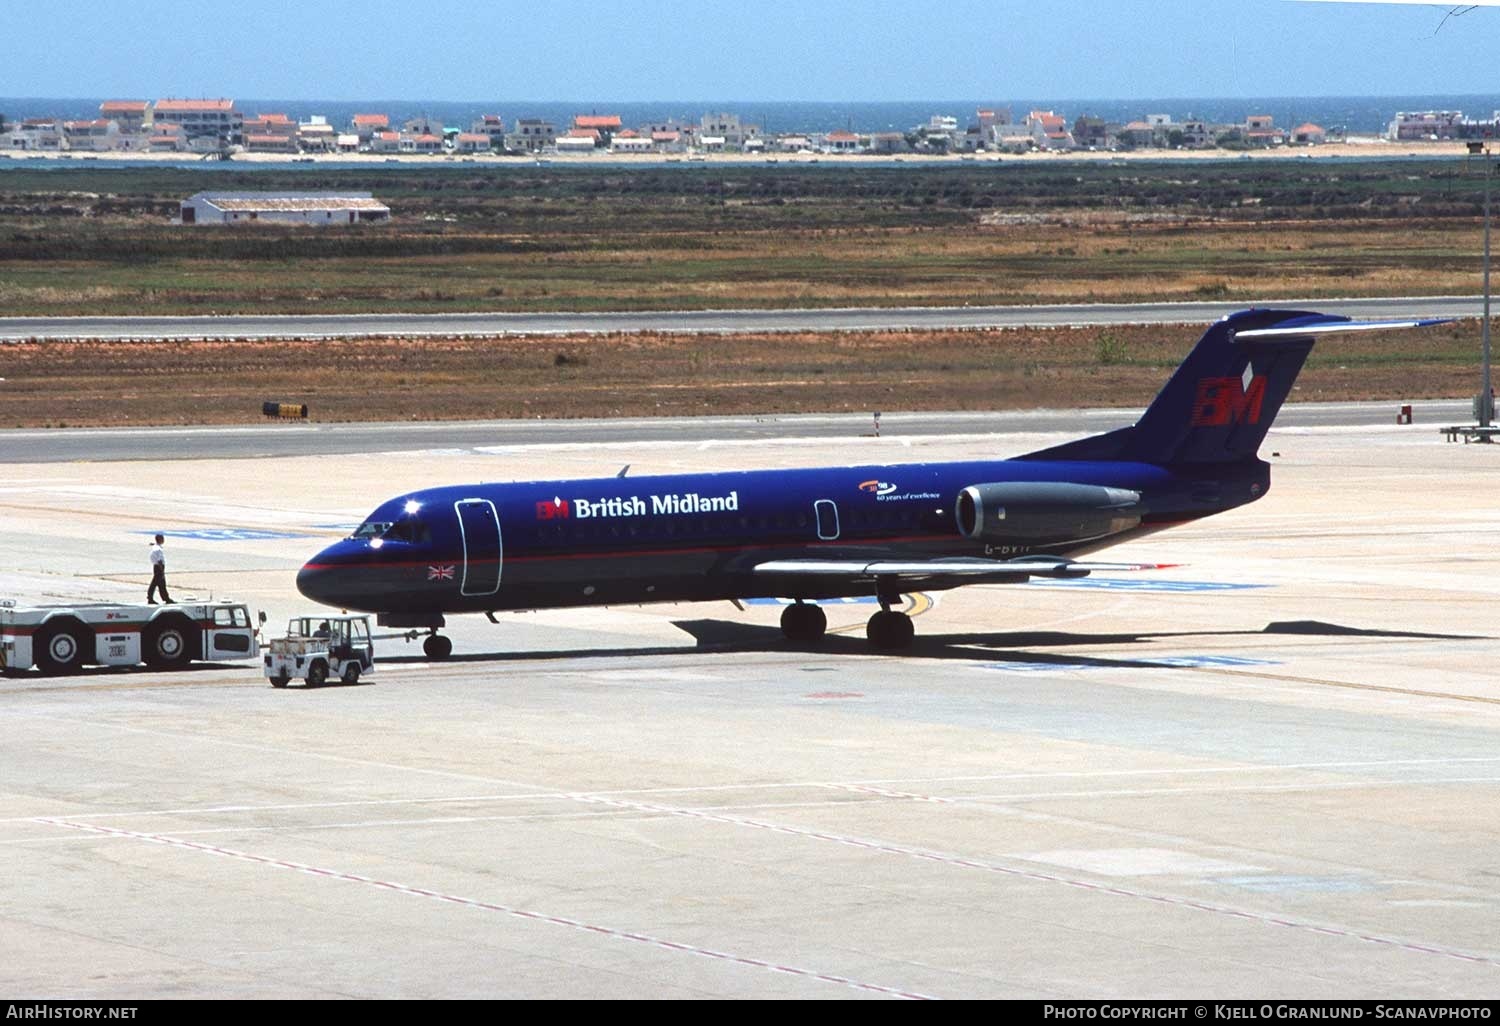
(64, 639)
(318, 647)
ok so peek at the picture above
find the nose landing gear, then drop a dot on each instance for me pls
(437, 647)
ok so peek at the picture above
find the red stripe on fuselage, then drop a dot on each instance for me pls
(611, 553)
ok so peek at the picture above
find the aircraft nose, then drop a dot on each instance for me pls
(320, 582)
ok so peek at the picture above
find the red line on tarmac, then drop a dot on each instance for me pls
(1031, 874)
(519, 913)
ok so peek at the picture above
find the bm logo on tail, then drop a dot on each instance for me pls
(1224, 401)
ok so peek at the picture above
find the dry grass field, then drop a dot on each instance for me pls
(80, 240)
(124, 383)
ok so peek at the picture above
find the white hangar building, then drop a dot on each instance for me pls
(283, 208)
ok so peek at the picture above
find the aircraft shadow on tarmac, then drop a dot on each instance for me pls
(733, 636)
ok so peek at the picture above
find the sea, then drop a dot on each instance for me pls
(1365, 115)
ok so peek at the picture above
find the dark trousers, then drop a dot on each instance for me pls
(158, 580)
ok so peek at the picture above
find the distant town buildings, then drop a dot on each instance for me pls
(219, 127)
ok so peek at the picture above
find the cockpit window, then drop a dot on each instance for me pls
(410, 530)
(371, 529)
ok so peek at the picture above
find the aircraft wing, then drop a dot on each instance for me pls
(1012, 571)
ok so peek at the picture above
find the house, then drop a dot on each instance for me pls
(632, 142)
(206, 124)
(576, 141)
(1261, 130)
(940, 134)
(385, 142)
(1136, 135)
(317, 136)
(94, 136)
(423, 124)
(315, 208)
(270, 124)
(1196, 134)
(1309, 134)
(270, 133)
(266, 142)
(1012, 138)
(1090, 132)
(604, 125)
(888, 143)
(490, 125)
(166, 139)
(424, 142)
(1049, 131)
(667, 141)
(841, 140)
(365, 126)
(988, 119)
(131, 115)
(473, 142)
(729, 128)
(1426, 124)
(35, 134)
(346, 142)
(532, 135)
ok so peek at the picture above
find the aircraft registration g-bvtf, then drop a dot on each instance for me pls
(834, 532)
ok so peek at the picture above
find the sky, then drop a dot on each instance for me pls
(644, 50)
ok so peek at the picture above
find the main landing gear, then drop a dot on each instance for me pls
(889, 629)
(803, 622)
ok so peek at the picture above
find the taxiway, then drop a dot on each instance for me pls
(1268, 771)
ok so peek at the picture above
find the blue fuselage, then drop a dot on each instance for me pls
(669, 538)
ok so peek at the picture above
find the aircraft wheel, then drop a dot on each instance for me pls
(804, 622)
(890, 630)
(437, 647)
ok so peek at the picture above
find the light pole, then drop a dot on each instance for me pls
(1484, 404)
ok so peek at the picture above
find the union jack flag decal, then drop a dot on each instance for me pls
(440, 573)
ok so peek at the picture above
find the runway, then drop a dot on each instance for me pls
(315, 326)
(1267, 771)
(622, 436)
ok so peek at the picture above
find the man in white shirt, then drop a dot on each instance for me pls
(158, 573)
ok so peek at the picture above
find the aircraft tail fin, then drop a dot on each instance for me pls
(1222, 399)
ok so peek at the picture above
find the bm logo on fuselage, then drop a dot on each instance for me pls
(557, 509)
(1224, 401)
(877, 487)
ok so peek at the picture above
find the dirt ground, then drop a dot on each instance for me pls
(71, 384)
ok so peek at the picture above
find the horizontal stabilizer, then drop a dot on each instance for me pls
(1334, 327)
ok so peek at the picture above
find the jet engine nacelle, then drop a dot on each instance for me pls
(1045, 511)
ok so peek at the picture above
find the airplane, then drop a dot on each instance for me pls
(835, 532)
